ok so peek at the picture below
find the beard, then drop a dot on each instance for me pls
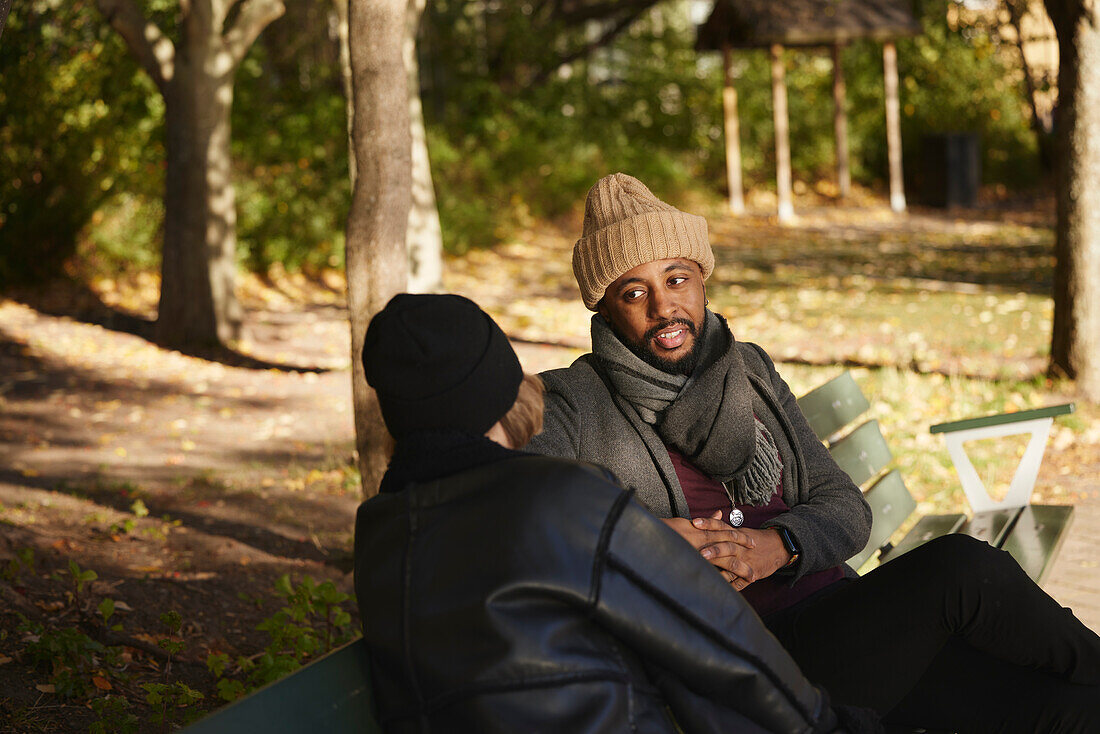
(684, 365)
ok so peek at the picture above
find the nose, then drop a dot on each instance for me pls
(662, 306)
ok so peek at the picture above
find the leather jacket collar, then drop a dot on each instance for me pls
(422, 456)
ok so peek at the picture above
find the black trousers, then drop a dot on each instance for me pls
(953, 635)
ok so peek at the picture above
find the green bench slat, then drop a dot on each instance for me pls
(1036, 537)
(890, 504)
(1002, 418)
(330, 695)
(927, 528)
(832, 406)
(863, 453)
(992, 526)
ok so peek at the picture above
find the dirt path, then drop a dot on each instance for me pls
(185, 483)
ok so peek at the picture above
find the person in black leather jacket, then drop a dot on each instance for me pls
(506, 592)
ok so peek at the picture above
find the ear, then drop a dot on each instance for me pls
(601, 309)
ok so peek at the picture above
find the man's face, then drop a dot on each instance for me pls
(657, 310)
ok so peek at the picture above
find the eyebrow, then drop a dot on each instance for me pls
(669, 269)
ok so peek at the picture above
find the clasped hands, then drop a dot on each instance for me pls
(742, 555)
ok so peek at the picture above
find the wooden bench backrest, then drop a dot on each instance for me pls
(330, 695)
(862, 453)
(834, 405)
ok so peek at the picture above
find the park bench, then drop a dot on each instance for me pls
(333, 694)
(1031, 533)
(329, 696)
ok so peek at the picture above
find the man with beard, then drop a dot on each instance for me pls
(710, 438)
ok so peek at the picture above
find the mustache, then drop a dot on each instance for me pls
(659, 328)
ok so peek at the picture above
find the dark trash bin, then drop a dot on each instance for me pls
(951, 169)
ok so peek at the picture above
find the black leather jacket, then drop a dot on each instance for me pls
(530, 594)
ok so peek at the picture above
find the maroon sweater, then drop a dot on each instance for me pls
(705, 495)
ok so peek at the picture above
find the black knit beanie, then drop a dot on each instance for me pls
(439, 361)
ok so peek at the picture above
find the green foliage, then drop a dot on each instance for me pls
(168, 698)
(23, 562)
(651, 106)
(513, 134)
(172, 622)
(106, 609)
(81, 576)
(138, 508)
(503, 152)
(951, 80)
(312, 623)
(114, 716)
(78, 122)
(70, 656)
(290, 152)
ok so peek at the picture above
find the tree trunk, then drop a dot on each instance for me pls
(198, 301)
(893, 125)
(1075, 341)
(733, 136)
(376, 256)
(840, 126)
(424, 239)
(345, 74)
(425, 236)
(5, 7)
(785, 209)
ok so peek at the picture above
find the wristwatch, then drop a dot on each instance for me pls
(790, 544)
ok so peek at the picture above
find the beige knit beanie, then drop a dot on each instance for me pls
(625, 226)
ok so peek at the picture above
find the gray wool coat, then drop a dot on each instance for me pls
(584, 419)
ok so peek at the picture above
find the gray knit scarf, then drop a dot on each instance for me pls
(707, 417)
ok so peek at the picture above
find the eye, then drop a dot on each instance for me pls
(677, 279)
(633, 294)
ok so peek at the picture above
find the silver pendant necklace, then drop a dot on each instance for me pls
(737, 518)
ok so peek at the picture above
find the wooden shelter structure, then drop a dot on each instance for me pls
(776, 24)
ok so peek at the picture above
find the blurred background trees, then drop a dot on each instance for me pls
(525, 104)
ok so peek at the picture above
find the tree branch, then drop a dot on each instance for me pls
(254, 16)
(608, 36)
(154, 50)
(576, 13)
(1040, 123)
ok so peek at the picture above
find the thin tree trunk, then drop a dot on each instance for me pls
(782, 136)
(840, 126)
(1075, 341)
(5, 8)
(893, 125)
(345, 74)
(1040, 123)
(376, 256)
(733, 136)
(425, 236)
